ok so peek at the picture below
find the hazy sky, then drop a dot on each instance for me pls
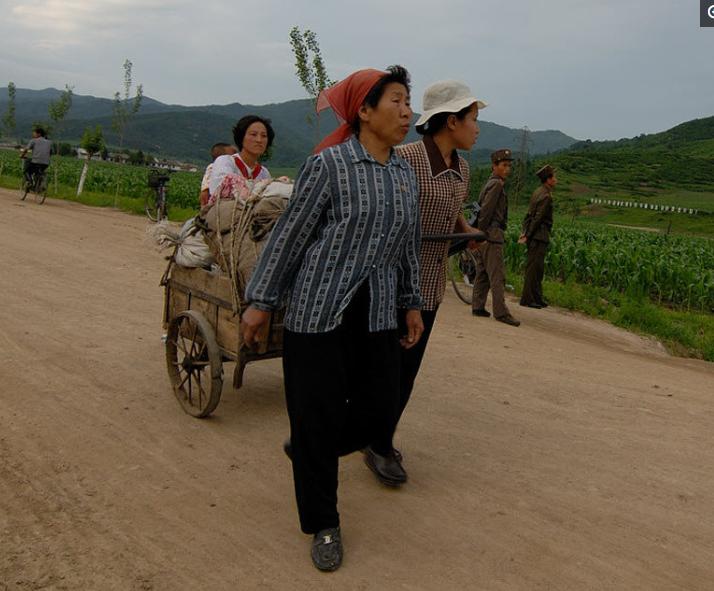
(599, 69)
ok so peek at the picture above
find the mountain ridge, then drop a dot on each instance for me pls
(187, 132)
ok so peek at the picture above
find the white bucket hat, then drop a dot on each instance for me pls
(447, 96)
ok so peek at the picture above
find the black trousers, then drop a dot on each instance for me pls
(410, 359)
(535, 268)
(33, 168)
(342, 393)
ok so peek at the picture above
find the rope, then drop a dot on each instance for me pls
(239, 230)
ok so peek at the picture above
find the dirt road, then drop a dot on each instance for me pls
(561, 455)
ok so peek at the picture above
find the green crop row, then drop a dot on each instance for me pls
(670, 270)
(106, 177)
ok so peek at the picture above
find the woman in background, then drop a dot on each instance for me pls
(253, 136)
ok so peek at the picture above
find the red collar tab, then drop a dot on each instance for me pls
(253, 174)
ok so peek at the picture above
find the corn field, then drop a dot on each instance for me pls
(671, 270)
(183, 188)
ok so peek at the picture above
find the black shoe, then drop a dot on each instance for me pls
(532, 305)
(543, 304)
(508, 319)
(288, 449)
(395, 452)
(481, 312)
(387, 469)
(326, 549)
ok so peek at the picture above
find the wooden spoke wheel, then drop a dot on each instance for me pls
(194, 363)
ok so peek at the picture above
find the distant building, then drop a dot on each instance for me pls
(82, 154)
(119, 157)
(175, 165)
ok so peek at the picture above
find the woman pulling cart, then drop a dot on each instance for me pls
(344, 256)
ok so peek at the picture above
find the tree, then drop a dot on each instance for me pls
(63, 149)
(8, 120)
(137, 158)
(521, 168)
(92, 142)
(125, 108)
(58, 111)
(309, 67)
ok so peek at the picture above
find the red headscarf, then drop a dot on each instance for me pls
(345, 98)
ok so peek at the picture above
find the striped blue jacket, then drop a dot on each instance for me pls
(350, 219)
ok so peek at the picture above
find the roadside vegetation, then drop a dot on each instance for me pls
(643, 270)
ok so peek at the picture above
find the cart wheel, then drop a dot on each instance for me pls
(462, 271)
(194, 363)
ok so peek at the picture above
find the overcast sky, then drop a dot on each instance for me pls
(599, 69)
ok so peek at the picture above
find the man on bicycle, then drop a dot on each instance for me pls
(41, 149)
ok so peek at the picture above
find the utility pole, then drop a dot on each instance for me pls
(519, 178)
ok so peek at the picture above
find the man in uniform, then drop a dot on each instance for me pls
(537, 227)
(493, 219)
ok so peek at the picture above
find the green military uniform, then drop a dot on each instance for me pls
(492, 219)
(537, 227)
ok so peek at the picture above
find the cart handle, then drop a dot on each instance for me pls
(476, 236)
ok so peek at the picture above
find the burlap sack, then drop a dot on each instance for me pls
(245, 252)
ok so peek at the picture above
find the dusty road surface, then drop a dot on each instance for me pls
(561, 455)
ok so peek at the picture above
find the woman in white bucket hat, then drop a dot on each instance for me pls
(448, 123)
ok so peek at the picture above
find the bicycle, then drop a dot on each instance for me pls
(33, 182)
(156, 204)
(461, 264)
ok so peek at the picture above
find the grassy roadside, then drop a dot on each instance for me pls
(689, 225)
(127, 204)
(685, 334)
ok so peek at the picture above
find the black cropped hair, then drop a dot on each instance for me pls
(396, 74)
(218, 148)
(244, 123)
(438, 121)
(40, 130)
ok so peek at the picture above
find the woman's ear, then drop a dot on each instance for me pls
(363, 113)
(451, 122)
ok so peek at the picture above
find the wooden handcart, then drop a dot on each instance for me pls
(202, 332)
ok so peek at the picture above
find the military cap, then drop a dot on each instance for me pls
(500, 155)
(545, 172)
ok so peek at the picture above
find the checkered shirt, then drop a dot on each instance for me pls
(442, 192)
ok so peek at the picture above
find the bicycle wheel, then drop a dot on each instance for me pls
(150, 206)
(24, 189)
(462, 271)
(162, 206)
(41, 189)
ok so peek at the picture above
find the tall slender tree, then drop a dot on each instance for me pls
(519, 180)
(8, 120)
(125, 107)
(309, 68)
(58, 111)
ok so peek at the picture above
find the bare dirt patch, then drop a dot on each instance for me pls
(565, 454)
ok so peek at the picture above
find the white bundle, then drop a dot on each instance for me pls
(191, 248)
